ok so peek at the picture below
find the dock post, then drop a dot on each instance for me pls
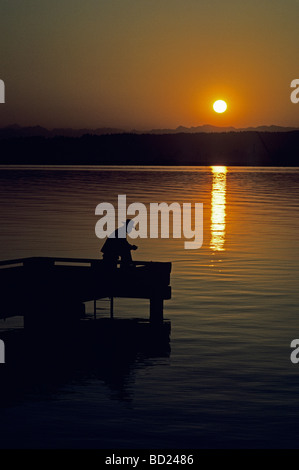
(111, 307)
(156, 310)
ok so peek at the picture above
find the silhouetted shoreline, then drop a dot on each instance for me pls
(248, 148)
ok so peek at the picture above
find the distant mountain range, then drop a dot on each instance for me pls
(213, 129)
(15, 130)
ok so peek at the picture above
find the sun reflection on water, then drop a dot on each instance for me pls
(218, 209)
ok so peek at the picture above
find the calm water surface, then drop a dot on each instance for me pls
(228, 380)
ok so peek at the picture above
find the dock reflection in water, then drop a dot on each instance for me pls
(38, 368)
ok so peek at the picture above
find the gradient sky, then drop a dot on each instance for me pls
(148, 63)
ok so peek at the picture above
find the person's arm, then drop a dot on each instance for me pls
(131, 247)
(134, 247)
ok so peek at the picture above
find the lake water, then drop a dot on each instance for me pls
(228, 380)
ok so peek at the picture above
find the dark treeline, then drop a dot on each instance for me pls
(233, 148)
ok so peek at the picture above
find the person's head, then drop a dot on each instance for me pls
(129, 225)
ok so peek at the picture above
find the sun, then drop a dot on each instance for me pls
(220, 106)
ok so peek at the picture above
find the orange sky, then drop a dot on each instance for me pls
(147, 63)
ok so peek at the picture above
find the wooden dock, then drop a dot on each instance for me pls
(50, 293)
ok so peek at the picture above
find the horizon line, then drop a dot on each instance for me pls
(179, 128)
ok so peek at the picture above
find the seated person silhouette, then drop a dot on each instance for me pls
(116, 245)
